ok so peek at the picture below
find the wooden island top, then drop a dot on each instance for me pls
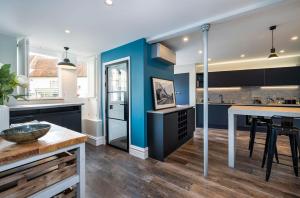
(57, 138)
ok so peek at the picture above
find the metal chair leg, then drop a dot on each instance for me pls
(276, 155)
(293, 145)
(252, 136)
(271, 150)
(266, 147)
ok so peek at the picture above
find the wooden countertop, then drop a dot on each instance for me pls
(171, 110)
(259, 105)
(57, 138)
(265, 111)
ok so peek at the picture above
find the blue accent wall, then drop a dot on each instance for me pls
(154, 68)
(142, 68)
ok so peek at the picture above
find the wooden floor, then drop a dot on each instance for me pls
(113, 173)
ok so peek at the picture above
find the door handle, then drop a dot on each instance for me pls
(177, 92)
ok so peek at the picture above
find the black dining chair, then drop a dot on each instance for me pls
(282, 126)
(260, 121)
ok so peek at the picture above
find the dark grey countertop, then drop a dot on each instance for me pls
(170, 110)
(42, 106)
(267, 105)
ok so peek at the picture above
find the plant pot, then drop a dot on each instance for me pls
(4, 117)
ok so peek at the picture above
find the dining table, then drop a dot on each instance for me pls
(265, 111)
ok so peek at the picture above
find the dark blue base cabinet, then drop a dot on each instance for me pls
(68, 117)
(168, 131)
(218, 117)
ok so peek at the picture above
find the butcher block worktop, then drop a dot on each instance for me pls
(57, 138)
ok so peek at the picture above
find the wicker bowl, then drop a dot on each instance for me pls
(25, 133)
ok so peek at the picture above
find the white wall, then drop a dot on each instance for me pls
(191, 69)
(8, 51)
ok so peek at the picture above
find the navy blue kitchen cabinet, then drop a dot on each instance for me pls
(254, 77)
(68, 117)
(168, 131)
(282, 76)
(236, 78)
(218, 117)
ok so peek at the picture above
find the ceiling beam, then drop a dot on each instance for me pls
(218, 18)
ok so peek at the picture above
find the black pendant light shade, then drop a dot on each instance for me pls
(273, 50)
(66, 63)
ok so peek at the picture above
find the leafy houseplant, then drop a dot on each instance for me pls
(8, 82)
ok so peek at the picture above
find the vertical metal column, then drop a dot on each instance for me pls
(205, 29)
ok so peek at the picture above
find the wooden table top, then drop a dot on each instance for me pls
(265, 111)
(57, 138)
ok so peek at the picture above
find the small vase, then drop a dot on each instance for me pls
(4, 117)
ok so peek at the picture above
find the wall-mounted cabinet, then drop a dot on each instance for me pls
(282, 76)
(236, 78)
(254, 77)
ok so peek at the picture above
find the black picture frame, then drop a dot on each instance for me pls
(166, 92)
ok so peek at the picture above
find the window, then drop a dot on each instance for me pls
(43, 77)
(82, 80)
(86, 78)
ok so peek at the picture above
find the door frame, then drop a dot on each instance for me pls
(104, 98)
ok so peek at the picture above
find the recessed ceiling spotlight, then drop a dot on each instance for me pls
(185, 39)
(67, 31)
(108, 2)
(200, 52)
(209, 59)
(294, 38)
(243, 55)
(281, 51)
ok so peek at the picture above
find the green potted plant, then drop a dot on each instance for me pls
(9, 81)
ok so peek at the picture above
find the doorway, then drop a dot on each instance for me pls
(117, 104)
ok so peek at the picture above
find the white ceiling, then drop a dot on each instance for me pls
(96, 27)
(247, 34)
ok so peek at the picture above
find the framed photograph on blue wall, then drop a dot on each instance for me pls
(163, 93)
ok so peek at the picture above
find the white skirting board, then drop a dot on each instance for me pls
(4, 117)
(93, 129)
(96, 141)
(138, 152)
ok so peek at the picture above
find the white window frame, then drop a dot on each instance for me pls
(91, 64)
(50, 55)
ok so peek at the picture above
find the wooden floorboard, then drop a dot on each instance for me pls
(114, 173)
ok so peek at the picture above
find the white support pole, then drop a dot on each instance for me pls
(205, 29)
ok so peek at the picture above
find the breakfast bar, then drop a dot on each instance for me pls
(252, 111)
(53, 165)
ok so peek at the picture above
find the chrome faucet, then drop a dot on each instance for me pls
(221, 98)
(270, 100)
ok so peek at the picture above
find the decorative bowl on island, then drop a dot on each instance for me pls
(25, 133)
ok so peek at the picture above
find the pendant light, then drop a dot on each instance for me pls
(66, 63)
(273, 51)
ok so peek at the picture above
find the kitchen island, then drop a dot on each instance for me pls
(45, 168)
(218, 115)
(234, 111)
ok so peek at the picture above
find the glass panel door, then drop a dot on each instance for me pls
(117, 105)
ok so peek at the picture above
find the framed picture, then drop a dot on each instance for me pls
(163, 93)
